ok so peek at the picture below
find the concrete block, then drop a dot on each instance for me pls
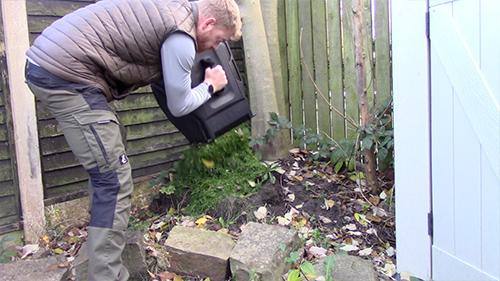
(348, 268)
(261, 251)
(46, 269)
(198, 252)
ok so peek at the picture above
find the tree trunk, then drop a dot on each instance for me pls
(264, 96)
(369, 154)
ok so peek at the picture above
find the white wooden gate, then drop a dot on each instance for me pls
(465, 141)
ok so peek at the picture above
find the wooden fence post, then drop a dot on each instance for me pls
(22, 102)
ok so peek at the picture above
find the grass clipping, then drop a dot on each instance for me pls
(210, 173)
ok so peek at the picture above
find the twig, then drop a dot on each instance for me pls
(347, 118)
(330, 138)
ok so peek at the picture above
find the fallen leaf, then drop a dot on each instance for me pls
(329, 203)
(298, 178)
(58, 251)
(299, 206)
(290, 197)
(351, 241)
(158, 236)
(305, 231)
(349, 248)
(290, 214)
(389, 269)
(383, 195)
(373, 218)
(202, 221)
(294, 150)
(308, 175)
(178, 278)
(361, 219)
(283, 220)
(374, 200)
(379, 212)
(261, 213)
(29, 249)
(299, 222)
(280, 170)
(351, 227)
(46, 239)
(325, 220)
(308, 183)
(317, 252)
(157, 225)
(390, 251)
(209, 164)
(354, 233)
(365, 252)
(251, 183)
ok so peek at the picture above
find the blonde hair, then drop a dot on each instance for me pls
(226, 12)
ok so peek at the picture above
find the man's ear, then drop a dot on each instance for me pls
(208, 23)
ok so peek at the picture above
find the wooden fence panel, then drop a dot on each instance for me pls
(335, 72)
(382, 51)
(283, 50)
(321, 65)
(327, 64)
(306, 48)
(294, 67)
(349, 62)
(368, 51)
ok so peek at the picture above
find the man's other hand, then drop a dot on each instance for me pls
(216, 77)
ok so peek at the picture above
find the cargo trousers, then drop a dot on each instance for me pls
(93, 133)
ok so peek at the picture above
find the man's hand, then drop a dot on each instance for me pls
(216, 77)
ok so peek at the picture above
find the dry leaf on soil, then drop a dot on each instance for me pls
(261, 213)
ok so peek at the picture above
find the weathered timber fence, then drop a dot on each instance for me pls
(9, 194)
(319, 61)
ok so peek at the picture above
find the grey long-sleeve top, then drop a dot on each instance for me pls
(177, 56)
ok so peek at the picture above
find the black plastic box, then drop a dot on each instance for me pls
(225, 110)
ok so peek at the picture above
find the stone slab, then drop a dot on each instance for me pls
(261, 251)
(348, 268)
(46, 269)
(198, 252)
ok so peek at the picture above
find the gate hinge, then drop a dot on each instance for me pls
(427, 25)
(430, 224)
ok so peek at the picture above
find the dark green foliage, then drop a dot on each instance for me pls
(344, 153)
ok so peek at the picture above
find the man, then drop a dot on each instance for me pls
(102, 52)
